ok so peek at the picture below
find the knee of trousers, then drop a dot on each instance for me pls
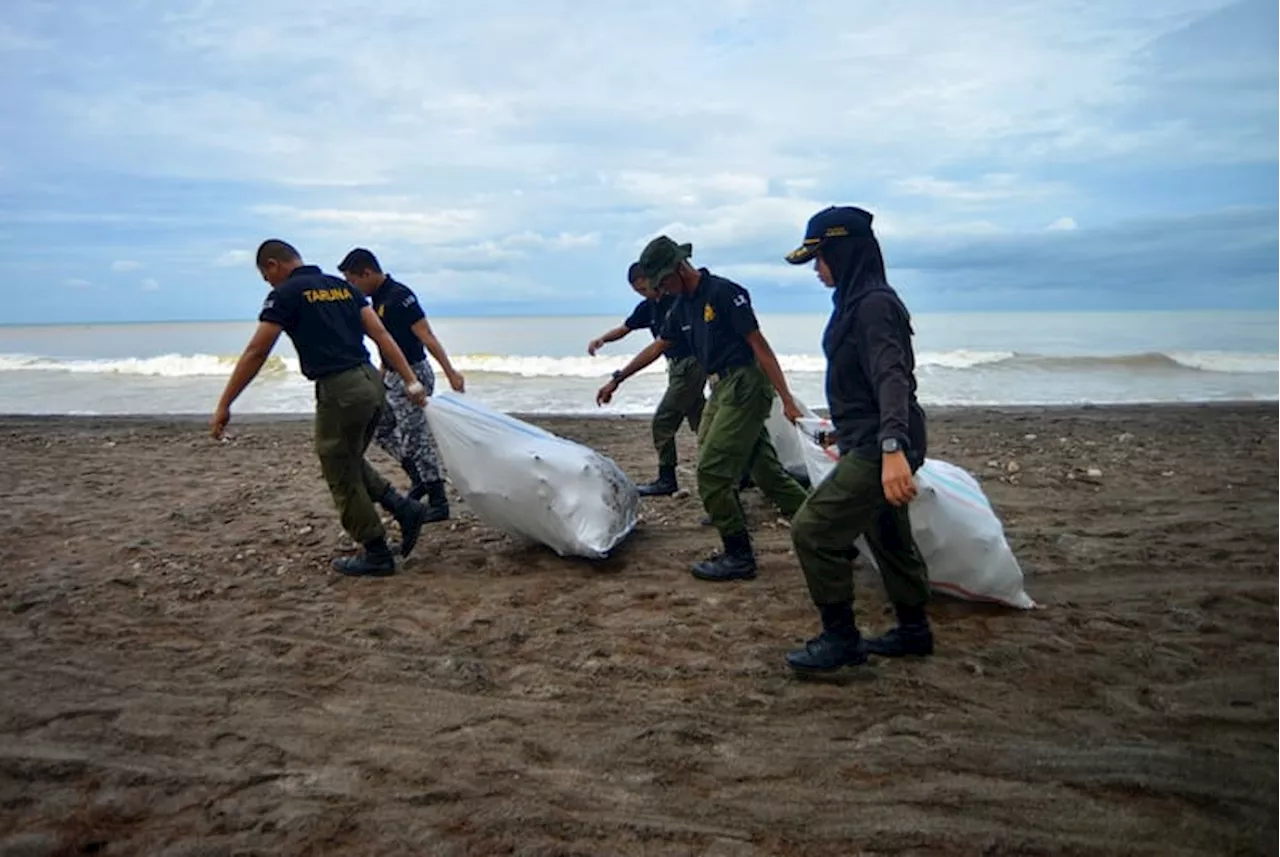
(806, 531)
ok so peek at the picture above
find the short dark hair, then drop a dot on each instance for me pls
(633, 273)
(273, 249)
(358, 261)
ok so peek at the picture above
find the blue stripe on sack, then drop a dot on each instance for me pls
(960, 488)
(499, 418)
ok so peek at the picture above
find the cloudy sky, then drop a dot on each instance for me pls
(513, 157)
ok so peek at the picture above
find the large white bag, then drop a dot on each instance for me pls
(791, 449)
(531, 484)
(958, 534)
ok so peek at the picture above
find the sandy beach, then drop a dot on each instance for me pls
(183, 675)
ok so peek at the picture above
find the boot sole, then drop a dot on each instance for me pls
(346, 572)
(716, 578)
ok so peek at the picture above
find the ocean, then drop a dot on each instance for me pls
(539, 365)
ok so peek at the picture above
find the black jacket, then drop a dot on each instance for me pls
(871, 384)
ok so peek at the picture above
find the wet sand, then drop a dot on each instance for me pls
(181, 674)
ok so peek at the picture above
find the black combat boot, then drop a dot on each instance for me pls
(663, 486)
(376, 560)
(738, 562)
(839, 645)
(912, 636)
(409, 514)
(437, 502)
(745, 482)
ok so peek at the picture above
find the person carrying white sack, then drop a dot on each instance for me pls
(880, 432)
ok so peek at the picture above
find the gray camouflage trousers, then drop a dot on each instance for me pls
(403, 432)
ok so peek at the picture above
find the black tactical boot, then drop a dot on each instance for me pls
(437, 502)
(912, 636)
(409, 514)
(839, 645)
(376, 560)
(738, 562)
(663, 486)
(745, 482)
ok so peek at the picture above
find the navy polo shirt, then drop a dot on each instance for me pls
(653, 315)
(321, 314)
(398, 307)
(714, 321)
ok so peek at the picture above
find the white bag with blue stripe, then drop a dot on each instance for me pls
(958, 533)
(530, 484)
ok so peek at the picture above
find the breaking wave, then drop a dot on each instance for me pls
(213, 365)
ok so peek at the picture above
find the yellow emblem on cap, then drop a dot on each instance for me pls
(708, 314)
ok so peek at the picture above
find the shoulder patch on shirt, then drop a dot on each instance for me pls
(270, 302)
(382, 311)
(708, 313)
(409, 300)
(740, 299)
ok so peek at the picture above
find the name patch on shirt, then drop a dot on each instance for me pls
(315, 295)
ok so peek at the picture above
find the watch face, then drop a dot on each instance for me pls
(889, 445)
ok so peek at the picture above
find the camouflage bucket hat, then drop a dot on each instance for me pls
(661, 258)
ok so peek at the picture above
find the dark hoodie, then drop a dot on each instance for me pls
(871, 384)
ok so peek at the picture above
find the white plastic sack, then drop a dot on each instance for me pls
(958, 533)
(531, 484)
(791, 449)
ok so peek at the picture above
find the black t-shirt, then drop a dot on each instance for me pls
(398, 307)
(321, 314)
(714, 322)
(653, 315)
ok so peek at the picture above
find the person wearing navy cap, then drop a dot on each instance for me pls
(880, 432)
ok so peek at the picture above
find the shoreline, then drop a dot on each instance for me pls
(260, 417)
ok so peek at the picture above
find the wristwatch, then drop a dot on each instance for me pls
(890, 444)
(617, 376)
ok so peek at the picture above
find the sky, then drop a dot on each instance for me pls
(507, 157)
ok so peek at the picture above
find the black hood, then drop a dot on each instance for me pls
(857, 265)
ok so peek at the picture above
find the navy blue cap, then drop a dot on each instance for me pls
(834, 222)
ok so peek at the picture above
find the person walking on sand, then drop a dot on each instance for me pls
(403, 432)
(714, 318)
(684, 398)
(880, 432)
(327, 321)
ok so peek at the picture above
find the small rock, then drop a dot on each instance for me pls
(785, 524)
(1167, 473)
(682, 494)
(975, 668)
(1013, 467)
(306, 531)
(1124, 437)
(993, 463)
(1029, 437)
(1093, 473)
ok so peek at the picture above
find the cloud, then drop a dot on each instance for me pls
(122, 265)
(150, 285)
(234, 259)
(78, 283)
(503, 153)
